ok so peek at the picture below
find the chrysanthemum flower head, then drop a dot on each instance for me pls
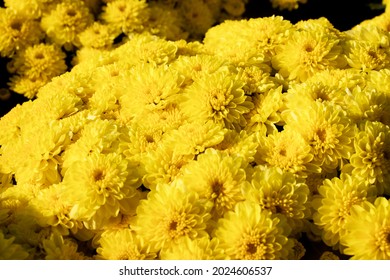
(57, 247)
(39, 61)
(265, 114)
(98, 36)
(166, 22)
(281, 193)
(368, 104)
(328, 130)
(169, 213)
(333, 205)
(17, 31)
(29, 8)
(239, 145)
(218, 97)
(149, 87)
(126, 16)
(287, 150)
(368, 230)
(195, 137)
(251, 233)
(306, 52)
(63, 24)
(123, 244)
(248, 42)
(370, 160)
(164, 165)
(97, 185)
(194, 249)
(218, 178)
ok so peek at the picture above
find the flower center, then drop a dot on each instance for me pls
(16, 25)
(98, 175)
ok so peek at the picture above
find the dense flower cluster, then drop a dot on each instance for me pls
(95, 24)
(240, 146)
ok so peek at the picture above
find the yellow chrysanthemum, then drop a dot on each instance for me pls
(198, 17)
(58, 247)
(51, 208)
(166, 22)
(98, 36)
(327, 255)
(164, 165)
(219, 98)
(29, 8)
(195, 137)
(63, 24)
(368, 104)
(123, 244)
(334, 202)
(307, 52)
(126, 16)
(194, 249)
(17, 31)
(379, 80)
(265, 114)
(370, 160)
(41, 61)
(327, 129)
(239, 145)
(287, 150)
(169, 213)
(10, 250)
(98, 186)
(280, 193)
(250, 233)
(148, 87)
(247, 42)
(368, 230)
(146, 48)
(216, 177)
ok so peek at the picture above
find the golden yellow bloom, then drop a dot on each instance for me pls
(28, 8)
(218, 97)
(194, 249)
(63, 24)
(123, 244)
(216, 177)
(327, 255)
(380, 80)
(287, 150)
(41, 61)
(327, 129)
(368, 104)
(265, 114)
(98, 36)
(239, 145)
(247, 42)
(195, 137)
(98, 186)
(370, 160)
(17, 31)
(368, 230)
(166, 22)
(149, 87)
(126, 16)
(280, 193)
(306, 52)
(334, 202)
(164, 165)
(59, 248)
(198, 17)
(170, 213)
(250, 233)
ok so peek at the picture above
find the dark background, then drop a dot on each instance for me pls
(343, 14)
